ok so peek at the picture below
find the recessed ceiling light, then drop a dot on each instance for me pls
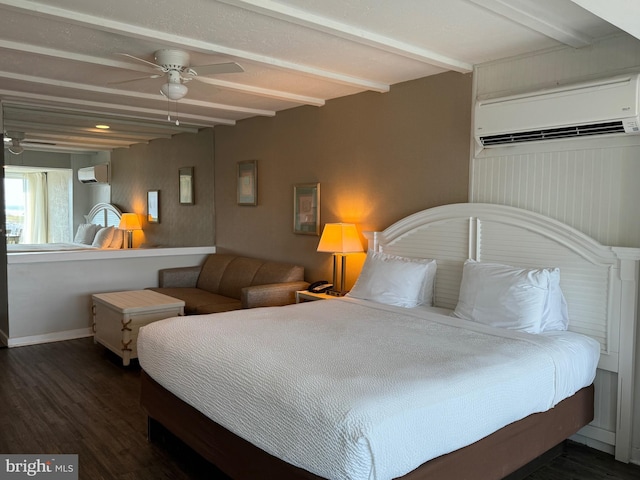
(103, 127)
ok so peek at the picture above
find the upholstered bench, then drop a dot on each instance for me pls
(230, 282)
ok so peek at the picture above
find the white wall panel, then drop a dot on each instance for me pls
(64, 282)
(613, 55)
(594, 190)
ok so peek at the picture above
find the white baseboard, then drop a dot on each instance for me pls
(590, 442)
(48, 337)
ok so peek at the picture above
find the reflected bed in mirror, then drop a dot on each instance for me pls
(99, 232)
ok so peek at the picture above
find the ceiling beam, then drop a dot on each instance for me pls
(350, 32)
(91, 117)
(126, 93)
(66, 55)
(34, 138)
(179, 41)
(47, 130)
(82, 140)
(79, 148)
(112, 109)
(263, 92)
(526, 14)
(75, 139)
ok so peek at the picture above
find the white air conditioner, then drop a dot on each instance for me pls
(95, 174)
(596, 108)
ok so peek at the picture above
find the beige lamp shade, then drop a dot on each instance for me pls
(340, 238)
(129, 221)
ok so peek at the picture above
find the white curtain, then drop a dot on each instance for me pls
(59, 204)
(35, 221)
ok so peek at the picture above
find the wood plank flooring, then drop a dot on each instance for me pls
(76, 397)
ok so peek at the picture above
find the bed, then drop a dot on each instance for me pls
(99, 232)
(241, 410)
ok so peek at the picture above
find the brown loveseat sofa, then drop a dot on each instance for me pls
(231, 282)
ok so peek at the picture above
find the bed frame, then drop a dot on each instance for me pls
(600, 284)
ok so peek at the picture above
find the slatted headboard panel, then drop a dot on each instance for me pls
(448, 242)
(104, 214)
(600, 283)
(585, 281)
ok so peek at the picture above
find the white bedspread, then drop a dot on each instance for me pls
(353, 390)
(47, 247)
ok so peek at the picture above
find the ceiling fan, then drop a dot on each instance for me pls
(15, 141)
(175, 65)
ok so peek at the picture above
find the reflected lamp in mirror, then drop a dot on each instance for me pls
(340, 239)
(129, 222)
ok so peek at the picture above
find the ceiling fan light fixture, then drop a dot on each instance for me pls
(174, 91)
(16, 148)
(15, 138)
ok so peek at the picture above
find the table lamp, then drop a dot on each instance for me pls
(339, 239)
(129, 222)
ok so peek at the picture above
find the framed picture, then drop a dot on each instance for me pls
(306, 209)
(247, 182)
(153, 206)
(185, 175)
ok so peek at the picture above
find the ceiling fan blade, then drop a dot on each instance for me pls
(35, 142)
(216, 68)
(135, 79)
(154, 65)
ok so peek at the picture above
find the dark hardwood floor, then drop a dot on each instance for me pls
(76, 397)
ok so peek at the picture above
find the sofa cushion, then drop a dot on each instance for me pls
(276, 272)
(212, 271)
(195, 298)
(239, 273)
(219, 307)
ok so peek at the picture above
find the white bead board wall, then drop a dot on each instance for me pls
(589, 183)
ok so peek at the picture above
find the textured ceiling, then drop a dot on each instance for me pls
(61, 60)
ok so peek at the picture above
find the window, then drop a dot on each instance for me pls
(38, 205)
(14, 201)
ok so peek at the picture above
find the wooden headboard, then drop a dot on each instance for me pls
(104, 214)
(600, 283)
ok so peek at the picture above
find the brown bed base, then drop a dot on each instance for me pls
(493, 457)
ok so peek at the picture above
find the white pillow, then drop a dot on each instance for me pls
(86, 233)
(103, 238)
(503, 296)
(394, 280)
(118, 238)
(555, 315)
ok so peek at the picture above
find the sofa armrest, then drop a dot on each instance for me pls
(271, 295)
(179, 277)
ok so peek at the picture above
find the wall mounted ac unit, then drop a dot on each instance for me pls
(95, 174)
(596, 108)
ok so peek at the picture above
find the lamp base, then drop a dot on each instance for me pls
(341, 292)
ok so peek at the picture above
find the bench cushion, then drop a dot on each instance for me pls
(197, 300)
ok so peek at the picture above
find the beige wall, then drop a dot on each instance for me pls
(154, 166)
(377, 157)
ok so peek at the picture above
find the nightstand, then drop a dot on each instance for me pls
(307, 296)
